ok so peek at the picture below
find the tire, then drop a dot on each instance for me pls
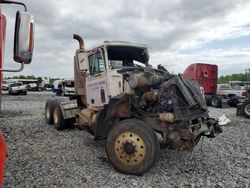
(246, 109)
(208, 100)
(58, 121)
(233, 102)
(216, 102)
(132, 147)
(49, 108)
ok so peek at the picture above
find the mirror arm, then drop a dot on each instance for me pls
(14, 2)
(13, 70)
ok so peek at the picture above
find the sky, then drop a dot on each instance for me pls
(177, 32)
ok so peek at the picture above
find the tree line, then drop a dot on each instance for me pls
(234, 77)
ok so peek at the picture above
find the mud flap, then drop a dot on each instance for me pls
(239, 109)
(100, 129)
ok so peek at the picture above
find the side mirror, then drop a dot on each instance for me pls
(24, 37)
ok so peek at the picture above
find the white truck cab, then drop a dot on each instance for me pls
(102, 64)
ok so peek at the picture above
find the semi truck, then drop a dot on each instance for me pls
(23, 50)
(216, 95)
(120, 97)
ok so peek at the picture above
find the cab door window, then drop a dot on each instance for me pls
(96, 64)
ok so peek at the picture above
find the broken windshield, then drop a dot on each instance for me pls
(127, 56)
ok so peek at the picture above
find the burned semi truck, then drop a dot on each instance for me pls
(120, 97)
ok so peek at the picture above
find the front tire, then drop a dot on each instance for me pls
(132, 147)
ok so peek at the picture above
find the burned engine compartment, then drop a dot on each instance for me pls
(172, 104)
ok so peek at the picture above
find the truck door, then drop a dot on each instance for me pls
(96, 82)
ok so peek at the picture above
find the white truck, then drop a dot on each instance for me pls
(234, 96)
(122, 98)
(17, 89)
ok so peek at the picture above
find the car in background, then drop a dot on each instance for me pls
(17, 89)
(5, 86)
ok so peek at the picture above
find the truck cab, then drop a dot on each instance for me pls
(103, 67)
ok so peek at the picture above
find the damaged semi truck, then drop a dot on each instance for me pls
(120, 97)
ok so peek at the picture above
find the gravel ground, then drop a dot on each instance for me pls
(40, 156)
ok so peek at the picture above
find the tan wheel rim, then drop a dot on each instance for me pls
(55, 116)
(47, 113)
(130, 148)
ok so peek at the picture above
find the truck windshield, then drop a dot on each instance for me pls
(69, 84)
(127, 56)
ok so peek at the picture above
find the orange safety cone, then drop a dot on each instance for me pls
(3, 149)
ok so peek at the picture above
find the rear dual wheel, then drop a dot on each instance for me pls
(49, 108)
(59, 122)
(132, 147)
(54, 116)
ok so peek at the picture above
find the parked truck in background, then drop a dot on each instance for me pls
(216, 95)
(23, 50)
(122, 98)
(17, 89)
(66, 88)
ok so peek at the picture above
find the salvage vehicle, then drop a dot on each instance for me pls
(23, 50)
(17, 89)
(120, 97)
(217, 95)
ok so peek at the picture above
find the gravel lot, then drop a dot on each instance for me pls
(40, 156)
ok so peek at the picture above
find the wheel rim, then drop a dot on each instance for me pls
(47, 113)
(247, 109)
(55, 116)
(130, 148)
(214, 102)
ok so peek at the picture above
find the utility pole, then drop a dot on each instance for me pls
(247, 72)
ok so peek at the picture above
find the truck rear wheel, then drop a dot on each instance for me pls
(132, 147)
(246, 109)
(58, 120)
(216, 102)
(49, 108)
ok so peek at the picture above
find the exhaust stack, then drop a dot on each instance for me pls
(80, 40)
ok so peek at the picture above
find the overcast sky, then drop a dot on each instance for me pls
(178, 32)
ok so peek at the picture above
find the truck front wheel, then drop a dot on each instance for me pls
(132, 147)
(246, 109)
